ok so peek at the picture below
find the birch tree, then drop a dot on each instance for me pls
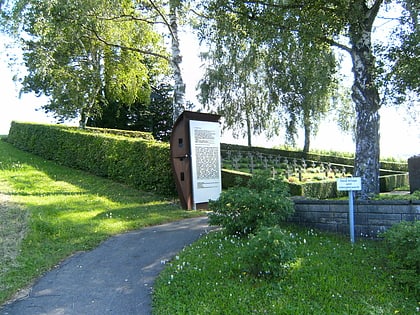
(345, 24)
(265, 87)
(169, 15)
(232, 85)
(179, 86)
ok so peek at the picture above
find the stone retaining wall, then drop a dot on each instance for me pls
(370, 217)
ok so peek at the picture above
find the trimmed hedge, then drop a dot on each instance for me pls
(390, 182)
(126, 133)
(231, 178)
(317, 190)
(136, 159)
(144, 164)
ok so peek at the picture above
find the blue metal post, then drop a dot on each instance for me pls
(351, 215)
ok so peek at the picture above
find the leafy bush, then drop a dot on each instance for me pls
(403, 250)
(241, 210)
(140, 163)
(269, 252)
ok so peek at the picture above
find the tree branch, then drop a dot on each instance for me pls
(373, 12)
(336, 44)
(145, 52)
(165, 21)
(125, 17)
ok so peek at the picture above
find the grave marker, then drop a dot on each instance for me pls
(273, 172)
(251, 165)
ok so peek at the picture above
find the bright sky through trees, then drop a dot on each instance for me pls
(399, 137)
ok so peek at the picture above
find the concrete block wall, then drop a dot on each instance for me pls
(370, 217)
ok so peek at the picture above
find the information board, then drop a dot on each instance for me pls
(349, 183)
(205, 160)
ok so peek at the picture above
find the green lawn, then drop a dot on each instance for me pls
(330, 276)
(48, 212)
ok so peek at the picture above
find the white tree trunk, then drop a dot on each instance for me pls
(179, 87)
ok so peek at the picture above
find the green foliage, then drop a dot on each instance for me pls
(140, 163)
(154, 116)
(403, 247)
(401, 79)
(120, 132)
(269, 252)
(242, 210)
(259, 81)
(391, 196)
(85, 53)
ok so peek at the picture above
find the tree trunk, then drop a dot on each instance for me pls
(83, 119)
(307, 136)
(366, 98)
(307, 127)
(249, 129)
(179, 88)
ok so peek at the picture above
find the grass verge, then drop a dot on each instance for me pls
(330, 277)
(48, 212)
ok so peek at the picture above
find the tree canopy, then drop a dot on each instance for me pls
(343, 24)
(267, 86)
(85, 54)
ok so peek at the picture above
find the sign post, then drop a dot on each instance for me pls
(350, 184)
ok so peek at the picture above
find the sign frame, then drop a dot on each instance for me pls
(349, 183)
(205, 161)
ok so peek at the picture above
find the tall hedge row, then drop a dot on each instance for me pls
(141, 163)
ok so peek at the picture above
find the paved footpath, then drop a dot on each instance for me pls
(115, 278)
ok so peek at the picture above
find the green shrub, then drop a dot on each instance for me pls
(241, 210)
(269, 252)
(403, 251)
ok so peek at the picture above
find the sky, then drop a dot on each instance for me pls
(400, 138)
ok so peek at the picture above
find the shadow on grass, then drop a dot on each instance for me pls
(14, 160)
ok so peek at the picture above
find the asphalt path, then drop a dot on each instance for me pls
(115, 278)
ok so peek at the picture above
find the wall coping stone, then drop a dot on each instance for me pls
(302, 200)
